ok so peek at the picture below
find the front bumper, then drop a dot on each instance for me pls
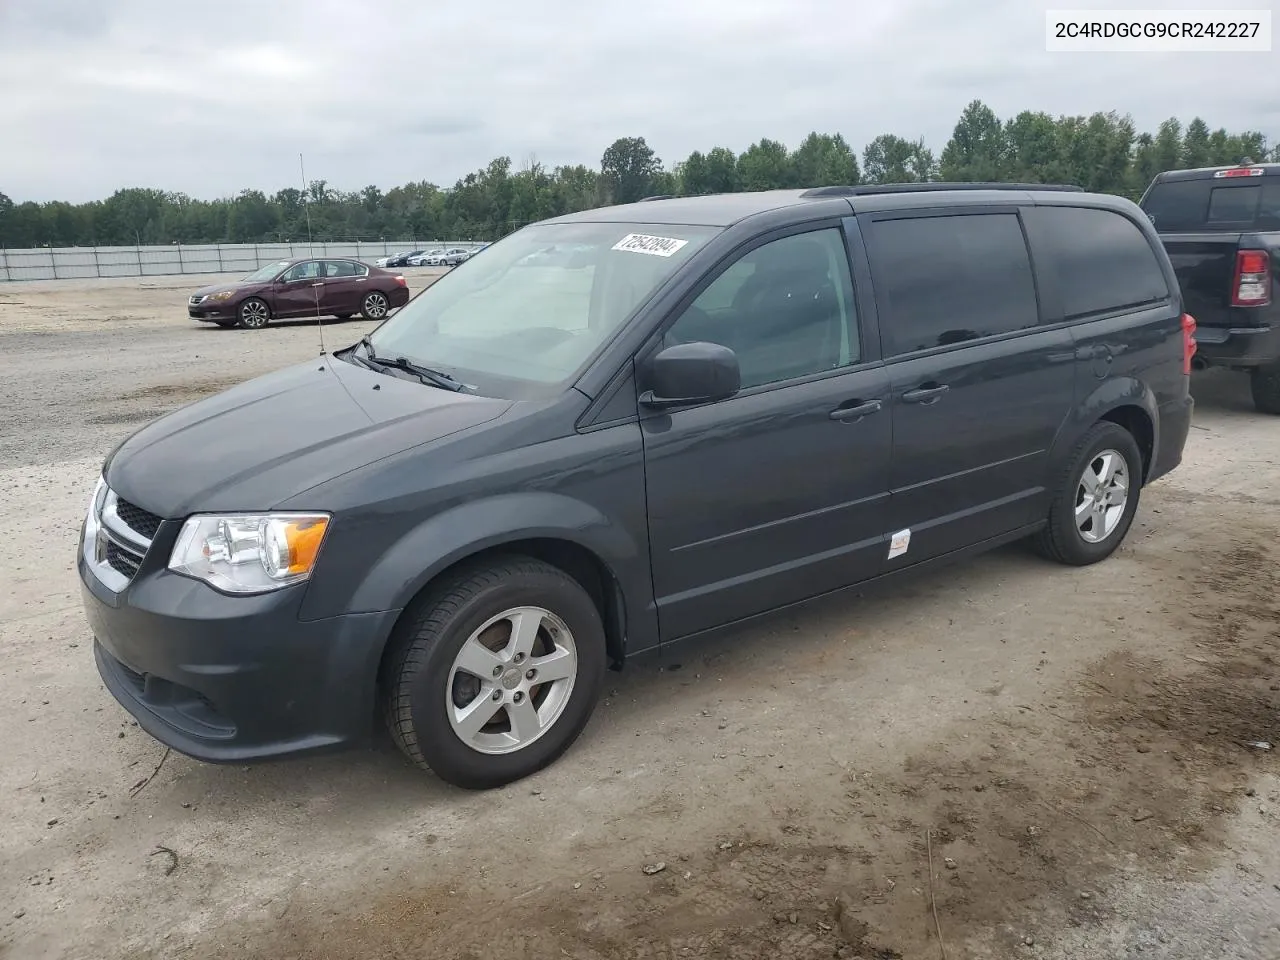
(230, 679)
(211, 312)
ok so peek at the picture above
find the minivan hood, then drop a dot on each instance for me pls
(271, 438)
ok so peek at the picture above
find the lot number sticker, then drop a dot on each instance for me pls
(654, 246)
(898, 545)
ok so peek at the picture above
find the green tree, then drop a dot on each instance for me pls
(628, 170)
(1195, 144)
(1168, 145)
(823, 160)
(891, 159)
(977, 150)
(765, 166)
(1094, 152)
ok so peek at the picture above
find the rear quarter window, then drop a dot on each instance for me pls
(1101, 260)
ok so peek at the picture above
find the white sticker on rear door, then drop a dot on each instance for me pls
(654, 246)
(898, 545)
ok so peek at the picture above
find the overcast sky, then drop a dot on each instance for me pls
(211, 96)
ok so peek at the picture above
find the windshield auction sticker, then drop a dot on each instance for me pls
(655, 246)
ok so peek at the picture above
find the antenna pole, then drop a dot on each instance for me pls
(311, 247)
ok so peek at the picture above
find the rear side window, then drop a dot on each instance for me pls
(1102, 261)
(343, 268)
(1207, 205)
(943, 280)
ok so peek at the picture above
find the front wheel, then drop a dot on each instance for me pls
(374, 306)
(254, 314)
(1265, 385)
(495, 673)
(1095, 499)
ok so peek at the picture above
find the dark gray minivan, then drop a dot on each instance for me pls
(621, 428)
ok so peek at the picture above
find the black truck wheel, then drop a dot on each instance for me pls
(1265, 383)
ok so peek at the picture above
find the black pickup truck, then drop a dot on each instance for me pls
(1221, 227)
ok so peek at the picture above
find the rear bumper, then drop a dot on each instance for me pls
(398, 297)
(1174, 426)
(1238, 346)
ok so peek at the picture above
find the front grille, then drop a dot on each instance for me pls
(196, 300)
(142, 522)
(123, 562)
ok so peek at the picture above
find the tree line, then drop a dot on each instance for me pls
(1102, 153)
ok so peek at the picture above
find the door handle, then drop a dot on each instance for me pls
(318, 283)
(856, 411)
(925, 394)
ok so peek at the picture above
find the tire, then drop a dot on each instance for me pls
(427, 692)
(1265, 385)
(254, 314)
(375, 305)
(1068, 542)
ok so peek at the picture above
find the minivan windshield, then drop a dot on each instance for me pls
(263, 274)
(523, 319)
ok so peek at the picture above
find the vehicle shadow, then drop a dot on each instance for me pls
(1222, 390)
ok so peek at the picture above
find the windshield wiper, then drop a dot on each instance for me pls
(436, 378)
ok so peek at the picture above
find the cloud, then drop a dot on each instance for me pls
(208, 99)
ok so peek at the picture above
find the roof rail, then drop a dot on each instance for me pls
(657, 196)
(932, 187)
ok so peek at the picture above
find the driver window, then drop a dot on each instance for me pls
(785, 308)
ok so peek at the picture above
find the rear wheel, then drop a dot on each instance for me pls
(254, 314)
(1265, 384)
(495, 674)
(374, 306)
(1095, 499)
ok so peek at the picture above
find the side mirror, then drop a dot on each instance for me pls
(691, 373)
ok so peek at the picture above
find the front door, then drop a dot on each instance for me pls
(777, 493)
(299, 291)
(980, 390)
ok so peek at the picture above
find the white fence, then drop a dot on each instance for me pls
(66, 263)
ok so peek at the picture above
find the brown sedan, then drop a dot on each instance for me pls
(310, 287)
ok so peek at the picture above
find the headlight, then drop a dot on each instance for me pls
(250, 553)
(222, 295)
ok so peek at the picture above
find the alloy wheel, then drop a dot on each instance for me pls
(1101, 496)
(375, 306)
(511, 680)
(254, 314)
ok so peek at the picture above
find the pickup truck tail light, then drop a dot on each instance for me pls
(1252, 287)
(1188, 342)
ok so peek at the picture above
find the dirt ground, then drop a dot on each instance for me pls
(1006, 760)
